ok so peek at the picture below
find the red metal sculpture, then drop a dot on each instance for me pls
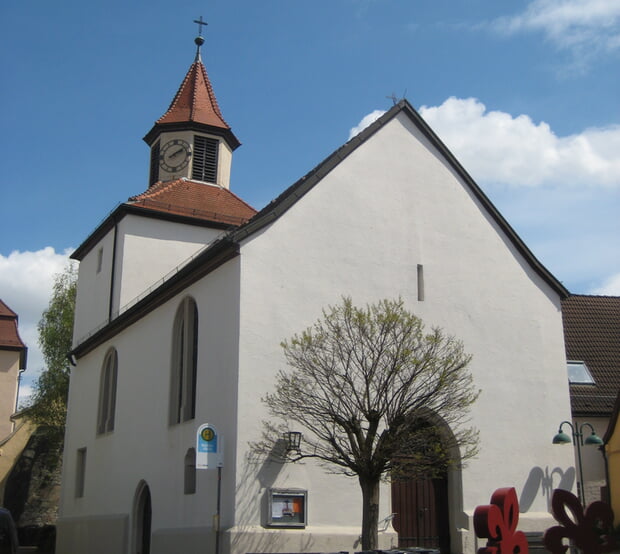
(498, 521)
(590, 530)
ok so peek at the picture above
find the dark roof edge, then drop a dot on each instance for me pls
(284, 201)
(124, 209)
(219, 253)
(159, 128)
(613, 420)
(612, 296)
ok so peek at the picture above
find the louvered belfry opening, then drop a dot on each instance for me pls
(154, 170)
(204, 166)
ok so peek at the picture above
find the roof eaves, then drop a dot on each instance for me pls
(213, 257)
(297, 190)
(159, 128)
(129, 209)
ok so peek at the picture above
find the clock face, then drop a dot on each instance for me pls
(174, 155)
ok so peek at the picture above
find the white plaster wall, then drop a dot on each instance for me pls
(361, 232)
(149, 249)
(143, 446)
(9, 372)
(93, 290)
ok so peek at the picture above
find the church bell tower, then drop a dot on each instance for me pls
(192, 140)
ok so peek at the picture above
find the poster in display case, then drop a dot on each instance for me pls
(287, 508)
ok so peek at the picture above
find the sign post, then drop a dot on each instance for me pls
(210, 455)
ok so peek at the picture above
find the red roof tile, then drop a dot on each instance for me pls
(9, 335)
(592, 335)
(195, 101)
(5, 311)
(193, 199)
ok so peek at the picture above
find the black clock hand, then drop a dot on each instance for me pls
(176, 153)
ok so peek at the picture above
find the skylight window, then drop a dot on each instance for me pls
(579, 374)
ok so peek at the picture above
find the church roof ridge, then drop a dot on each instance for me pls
(292, 194)
(195, 100)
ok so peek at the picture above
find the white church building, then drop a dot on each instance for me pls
(185, 293)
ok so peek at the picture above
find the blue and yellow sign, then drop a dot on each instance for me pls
(209, 448)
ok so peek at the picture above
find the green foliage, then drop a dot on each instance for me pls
(362, 380)
(377, 396)
(49, 401)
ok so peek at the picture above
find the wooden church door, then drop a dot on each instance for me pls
(421, 508)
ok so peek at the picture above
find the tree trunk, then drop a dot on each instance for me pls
(370, 512)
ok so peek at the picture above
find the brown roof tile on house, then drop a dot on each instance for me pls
(195, 101)
(5, 311)
(193, 199)
(9, 335)
(592, 335)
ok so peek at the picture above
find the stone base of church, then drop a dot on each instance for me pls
(257, 539)
(109, 535)
(92, 535)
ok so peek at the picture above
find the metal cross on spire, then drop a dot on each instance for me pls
(200, 24)
(199, 40)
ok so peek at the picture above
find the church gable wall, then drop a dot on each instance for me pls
(390, 206)
(149, 250)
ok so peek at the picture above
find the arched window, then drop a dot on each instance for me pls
(189, 478)
(184, 362)
(107, 393)
(142, 515)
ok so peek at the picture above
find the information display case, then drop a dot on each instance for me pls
(287, 508)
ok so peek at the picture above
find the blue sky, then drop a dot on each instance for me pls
(525, 93)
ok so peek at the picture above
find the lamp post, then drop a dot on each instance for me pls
(577, 433)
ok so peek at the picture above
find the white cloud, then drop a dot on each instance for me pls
(585, 27)
(561, 194)
(26, 280)
(365, 122)
(611, 286)
(498, 148)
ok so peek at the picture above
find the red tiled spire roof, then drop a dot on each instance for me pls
(199, 200)
(195, 100)
(9, 335)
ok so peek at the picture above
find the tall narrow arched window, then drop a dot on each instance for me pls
(184, 362)
(107, 393)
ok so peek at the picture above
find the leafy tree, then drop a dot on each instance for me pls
(376, 394)
(49, 400)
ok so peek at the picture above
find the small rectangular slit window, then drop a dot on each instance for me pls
(154, 173)
(99, 259)
(80, 473)
(420, 282)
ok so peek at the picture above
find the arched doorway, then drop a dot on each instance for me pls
(142, 513)
(420, 497)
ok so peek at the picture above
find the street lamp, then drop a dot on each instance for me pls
(577, 433)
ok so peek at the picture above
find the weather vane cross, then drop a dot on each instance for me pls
(200, 23)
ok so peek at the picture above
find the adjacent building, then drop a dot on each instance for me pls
(13, 353)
